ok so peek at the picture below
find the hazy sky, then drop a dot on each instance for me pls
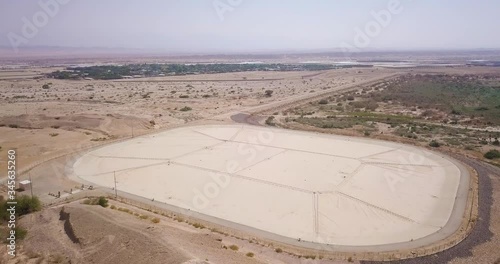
(253, 25)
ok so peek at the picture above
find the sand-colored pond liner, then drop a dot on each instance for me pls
(318, 188)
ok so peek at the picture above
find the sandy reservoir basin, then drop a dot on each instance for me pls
(299, 185)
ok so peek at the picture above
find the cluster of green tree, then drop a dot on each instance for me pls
(106, 72)
(492, 154)
(25, 205)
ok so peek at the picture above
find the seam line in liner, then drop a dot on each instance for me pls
(244, 177)
(377, 207)
(380, 153)
(266, 159)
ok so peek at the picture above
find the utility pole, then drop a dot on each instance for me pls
(31, 185)
(116, 191)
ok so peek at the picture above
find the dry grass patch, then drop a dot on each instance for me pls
(198, 225)
(102, 201)
(126, 210)
(234, 247)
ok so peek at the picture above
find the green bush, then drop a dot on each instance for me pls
(185, 109)
(102, 201)
(434, 144)
(27, 204)
(20, 233)
(492, 154)
(270, 121)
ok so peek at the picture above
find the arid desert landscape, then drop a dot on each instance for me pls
(182, 181)
(233, 132)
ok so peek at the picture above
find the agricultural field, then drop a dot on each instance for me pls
(154, 70)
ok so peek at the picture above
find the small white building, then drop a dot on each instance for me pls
(26, 184)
